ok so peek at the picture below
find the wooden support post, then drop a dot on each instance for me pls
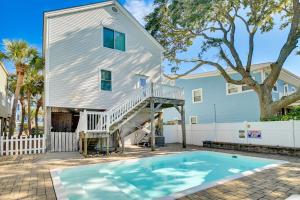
(182, 113)
(80, 143)
(161, 123)
(152, 124)
(85, 146)
(107, 145)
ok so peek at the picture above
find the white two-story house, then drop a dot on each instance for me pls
(96, 57)
(5, 101)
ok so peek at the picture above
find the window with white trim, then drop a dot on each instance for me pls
(285, 89)
(106, 81)
(197, 95)
(193, 120)
(235, 89)
(232, 89)
(293, 89)
(275, 87)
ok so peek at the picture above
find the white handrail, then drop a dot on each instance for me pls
(101, 121)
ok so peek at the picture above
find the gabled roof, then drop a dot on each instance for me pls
(285, 75)
(99, 5)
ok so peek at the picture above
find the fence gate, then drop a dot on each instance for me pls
(62, 141)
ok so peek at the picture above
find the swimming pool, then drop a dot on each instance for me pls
(158, 177)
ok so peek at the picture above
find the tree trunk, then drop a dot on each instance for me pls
(39, 104)
(20, 81)
(22, 115)
(36, 118)
(29, 113)
(265, 102)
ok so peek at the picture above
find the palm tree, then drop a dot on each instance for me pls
(21, 55)
(12, 82)
(33, 86)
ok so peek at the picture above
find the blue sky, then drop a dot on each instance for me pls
(24, 20)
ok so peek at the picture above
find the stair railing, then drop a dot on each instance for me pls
(101, 121)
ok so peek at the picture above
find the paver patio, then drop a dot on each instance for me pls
(28, 176)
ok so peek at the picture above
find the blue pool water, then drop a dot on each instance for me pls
(153, 177)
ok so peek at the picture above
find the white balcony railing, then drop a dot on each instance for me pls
(101, 121)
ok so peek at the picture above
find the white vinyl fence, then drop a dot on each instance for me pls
(275, 133)
(62, 141)
(22, 145)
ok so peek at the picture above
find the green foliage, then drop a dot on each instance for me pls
(293, 115)
(18, 51)
(176, 23)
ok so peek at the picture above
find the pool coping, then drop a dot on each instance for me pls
(62, 195)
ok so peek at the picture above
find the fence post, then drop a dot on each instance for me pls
(44, 143)
(1, 145)
(246, 131)
(17, 146)
(21, 145)
(293, 129)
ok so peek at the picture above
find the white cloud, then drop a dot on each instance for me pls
(139, 9)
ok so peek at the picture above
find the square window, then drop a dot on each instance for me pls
(193, 120)
(106, 83)
(197, 95)
(108, 38)
(119, 41)
(231, 88)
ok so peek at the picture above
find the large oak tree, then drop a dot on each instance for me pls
(177, 23)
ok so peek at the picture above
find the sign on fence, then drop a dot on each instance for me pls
(22, 145)
(63, 141)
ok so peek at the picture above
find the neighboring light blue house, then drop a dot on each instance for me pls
(209, 98)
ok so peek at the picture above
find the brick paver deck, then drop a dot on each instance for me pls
(28, 176)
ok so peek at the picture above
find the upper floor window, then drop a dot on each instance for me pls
(275, 87)
(113, 39)
(197, 95)
(293, 89)
(285, 89)
(232, 89)
(106, 83)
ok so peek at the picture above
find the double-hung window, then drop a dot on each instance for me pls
(113, 39)
(232, 88)
(106, 83)
(197, 95)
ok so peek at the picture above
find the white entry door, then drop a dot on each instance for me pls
(141, 81)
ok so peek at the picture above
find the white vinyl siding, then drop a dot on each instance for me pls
(74, 54)
(4, 105)
(197, 96)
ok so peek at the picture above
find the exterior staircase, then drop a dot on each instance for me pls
(109, 121)
(103, 124)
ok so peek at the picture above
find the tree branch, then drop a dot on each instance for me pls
(287, 48)
(285, 101)
(216, 65)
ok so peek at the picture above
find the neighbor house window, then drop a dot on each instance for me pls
(197, 95)
(275, 87)
(113, 39)
(193, 120)
(232, 89)
(106, 83)
(293, 89)
(285, 89)
(247, 87)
